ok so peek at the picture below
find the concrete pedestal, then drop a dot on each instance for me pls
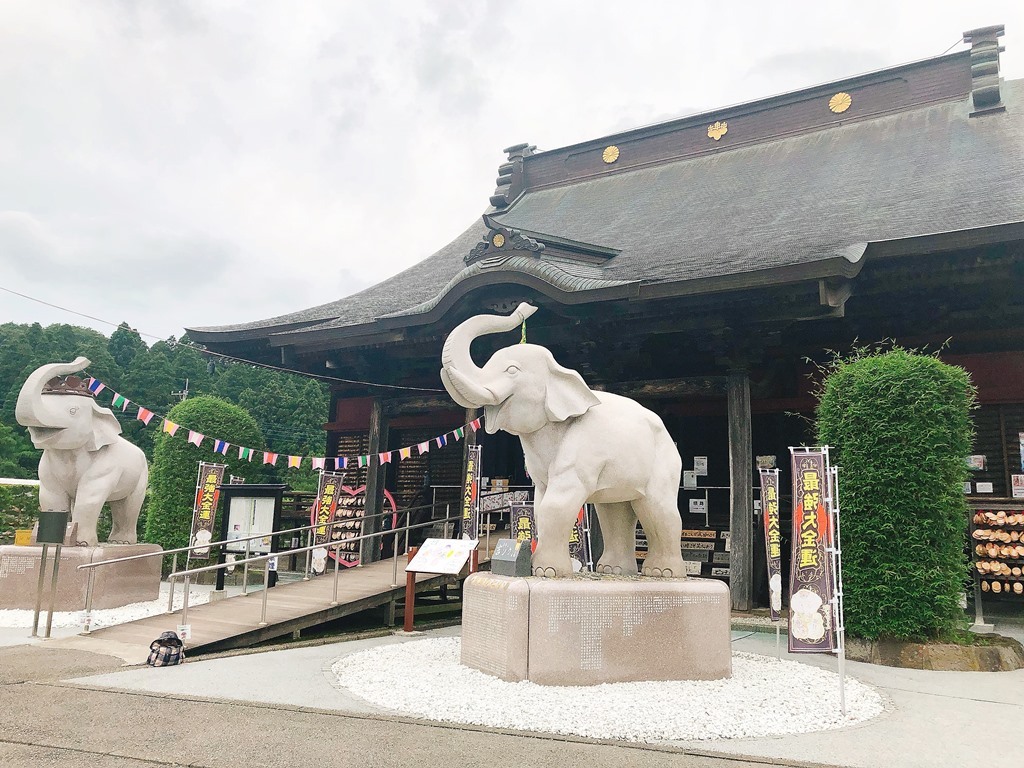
(592, 630)
(122, 584)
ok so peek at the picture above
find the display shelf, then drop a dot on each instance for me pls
(999, 527)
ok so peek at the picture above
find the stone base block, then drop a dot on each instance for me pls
(596, 629)
(122, 584)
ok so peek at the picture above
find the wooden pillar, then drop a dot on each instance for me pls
(741, 494)
(370, 550)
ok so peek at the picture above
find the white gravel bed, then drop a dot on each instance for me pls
(18, 618)
(764, 697)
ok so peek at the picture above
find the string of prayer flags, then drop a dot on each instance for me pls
(294, 462)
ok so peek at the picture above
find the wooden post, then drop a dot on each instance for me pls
(369, 550)
(741, 494)
(410, 595)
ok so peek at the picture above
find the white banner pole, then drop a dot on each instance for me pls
(837, 570)
(192, 530)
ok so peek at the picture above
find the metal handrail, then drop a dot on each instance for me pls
(212, 544)
(337, 549)
(260, 558)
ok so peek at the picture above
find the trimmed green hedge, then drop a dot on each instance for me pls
(900, 429)
(172, 477)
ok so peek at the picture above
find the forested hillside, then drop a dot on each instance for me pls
(289, 409)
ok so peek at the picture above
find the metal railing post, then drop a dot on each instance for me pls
(337, 557)
(245, 569)
(170, 583)
(53, 591)
(266, 589)
(309, 543)
(39, 590)
(184, 607)
(88, 601)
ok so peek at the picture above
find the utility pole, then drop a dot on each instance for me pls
(182, 393)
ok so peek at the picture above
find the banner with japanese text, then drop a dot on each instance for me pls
(811, 579)
(322, 515)
(772, 539)
(471, 494)
(205, 509)
(522, 522)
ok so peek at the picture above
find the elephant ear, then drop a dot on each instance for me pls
(567, 394)
(105, 428)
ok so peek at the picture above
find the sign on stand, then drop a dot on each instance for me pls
(447, 556)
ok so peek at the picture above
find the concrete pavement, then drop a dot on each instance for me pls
(66, 706)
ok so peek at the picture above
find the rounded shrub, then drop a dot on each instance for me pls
(899, 427)
(172, 476)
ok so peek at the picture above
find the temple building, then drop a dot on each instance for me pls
(702, 266)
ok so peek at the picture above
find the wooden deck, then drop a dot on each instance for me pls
(234, 622)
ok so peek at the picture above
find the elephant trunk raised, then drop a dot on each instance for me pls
(459, 373)
(31, 410)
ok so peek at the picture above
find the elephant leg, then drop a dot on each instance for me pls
(618, 529)
(53, 499)
(86, 513)
(124, 515)
(555, 516)
(663, 526)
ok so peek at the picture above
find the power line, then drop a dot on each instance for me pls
(202, 350)
(954, 45)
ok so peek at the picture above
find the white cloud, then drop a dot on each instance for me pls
(193, 163)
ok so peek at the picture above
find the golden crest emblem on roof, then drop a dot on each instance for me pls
(840, 102)
(717, 130)
(610, 154)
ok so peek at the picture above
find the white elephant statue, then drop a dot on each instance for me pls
(85, 461)
(580, 446)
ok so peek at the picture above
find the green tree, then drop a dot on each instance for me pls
(18, 458)
(900, 428)
(172, 477)
(125, 344)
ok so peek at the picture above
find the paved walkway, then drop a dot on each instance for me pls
(67, 707)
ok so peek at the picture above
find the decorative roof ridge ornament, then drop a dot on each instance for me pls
(502, 240)
(985, 51)
(510, 175)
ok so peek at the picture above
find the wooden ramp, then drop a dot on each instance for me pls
(234, 622)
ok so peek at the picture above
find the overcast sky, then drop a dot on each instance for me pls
(206, 163)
